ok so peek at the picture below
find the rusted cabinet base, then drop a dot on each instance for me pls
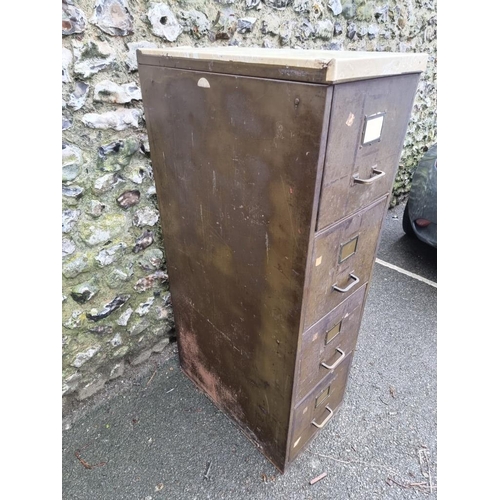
(267, 309)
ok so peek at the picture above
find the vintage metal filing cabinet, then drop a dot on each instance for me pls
(273, 171)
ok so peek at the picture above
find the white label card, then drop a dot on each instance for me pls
(373, 128)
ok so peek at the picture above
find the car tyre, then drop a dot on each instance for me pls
(407, 227)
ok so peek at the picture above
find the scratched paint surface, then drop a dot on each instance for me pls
(235, 168)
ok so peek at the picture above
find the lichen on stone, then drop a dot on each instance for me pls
(91, 57)
(114, 156)
(106, 228)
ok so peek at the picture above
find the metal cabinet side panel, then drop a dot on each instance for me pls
(235, 166)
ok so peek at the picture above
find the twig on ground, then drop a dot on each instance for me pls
(207, 472)
(408, 486)
(318, 478)
(153, 376)
(423, 456)
(86, 464)
(427, 486)
(350, 462)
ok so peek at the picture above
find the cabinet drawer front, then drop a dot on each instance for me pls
(367, 129)
(318, 408)
(342, 260)
(329, 341)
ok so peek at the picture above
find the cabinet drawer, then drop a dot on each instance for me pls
(329, 341)
(342, 259)
(319, 407)
(367, 129)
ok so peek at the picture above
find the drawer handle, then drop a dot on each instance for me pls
(378, 175)
(332, 367)
(327, 419)
(347, 288)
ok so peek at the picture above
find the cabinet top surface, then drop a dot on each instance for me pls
(319, 66)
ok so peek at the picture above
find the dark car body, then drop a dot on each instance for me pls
(420, 215)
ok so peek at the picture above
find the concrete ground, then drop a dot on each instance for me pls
(152, 437)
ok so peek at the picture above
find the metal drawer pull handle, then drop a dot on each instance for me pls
(347, 288)
(332, 367)
(327, 419)
(379, 174)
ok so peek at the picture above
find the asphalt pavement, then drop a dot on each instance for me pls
(152, 436)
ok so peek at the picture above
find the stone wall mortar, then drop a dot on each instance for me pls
(116, 308)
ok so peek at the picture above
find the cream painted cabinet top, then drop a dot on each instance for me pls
(318, 66)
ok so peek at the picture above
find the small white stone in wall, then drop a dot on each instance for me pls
(83, 357)
(71, 161)
(106, 182)
(302, 6)
(146, 217)
(77, 98)
(73, 19)
(67, 59)
(108, 91)
(139, 327)
(117, 339)
(96, 235)
(116, 120)
(131, 60)
(113, 17)
(117, 370)
(69, 217)
(277, 4)
(92, 57)
(75, 265)
(75, 320)
(108, 255)
(335, 6)
(136, 174)
(116, 277)
(145, 306)
(253, 4)
(195, 22)
(68, 247)
(246, 24)
(324, 29)
(66, 123)
(123, 319)
(163, 22)
(71, 383)
(95, 208)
